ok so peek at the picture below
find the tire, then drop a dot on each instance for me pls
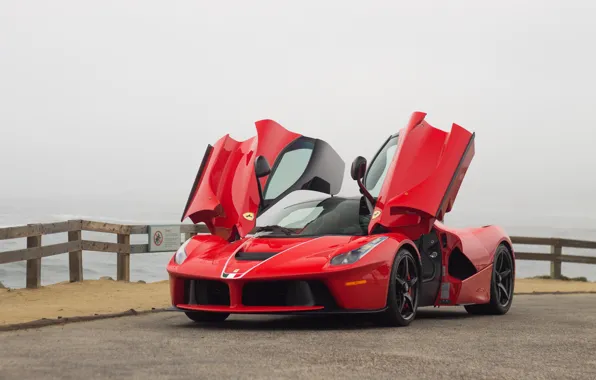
(206, 316)
(394, 315)
(498, 284)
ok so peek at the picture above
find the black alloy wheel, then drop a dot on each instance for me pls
(501, 287)
(504, 278)
(404, 288)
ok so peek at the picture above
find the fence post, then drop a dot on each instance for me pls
(123, 265)
(34, 265)
(555, 264)
(75, 258)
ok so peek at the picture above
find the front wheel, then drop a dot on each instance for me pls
(206, 316)
(501, 286)
(404, 287)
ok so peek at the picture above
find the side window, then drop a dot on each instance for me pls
(379, 166)
(291, 165)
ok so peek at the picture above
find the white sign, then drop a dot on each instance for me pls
(164, 238)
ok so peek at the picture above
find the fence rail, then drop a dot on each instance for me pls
(75, 246)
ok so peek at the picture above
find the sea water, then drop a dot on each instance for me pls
(151, 267)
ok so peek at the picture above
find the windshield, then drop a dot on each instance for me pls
(379, 167)
(311, 213)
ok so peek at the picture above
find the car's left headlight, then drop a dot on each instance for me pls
(356, 254)
(181, 255)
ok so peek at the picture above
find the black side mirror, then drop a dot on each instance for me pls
(357, 171)
(358, 168)
(262, 167)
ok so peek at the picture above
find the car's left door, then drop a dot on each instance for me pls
(225, 195)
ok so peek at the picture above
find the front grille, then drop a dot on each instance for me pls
(207, 292)
(254, 256)
(287, 293)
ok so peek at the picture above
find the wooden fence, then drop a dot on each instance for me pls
(76, 245)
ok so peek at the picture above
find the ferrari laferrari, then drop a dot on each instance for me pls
(282, 241)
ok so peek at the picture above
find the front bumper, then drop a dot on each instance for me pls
(361, 289)
(241, 309)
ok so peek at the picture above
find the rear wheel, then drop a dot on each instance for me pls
(404, 287)
(206, 316)
(501, 287)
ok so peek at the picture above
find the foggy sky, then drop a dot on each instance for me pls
(117, 100)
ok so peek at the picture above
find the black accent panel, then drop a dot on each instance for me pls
(317, 184)
(254, 256)
(197, 179)
(287, 293)
(429, 246)
(459, 266)
(207, 292)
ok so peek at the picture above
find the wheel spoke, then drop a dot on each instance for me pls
(504, 290)
(399, 280)
(407, 269)
(408, 300)
(505, 273)
(413, 281)
(499, 263)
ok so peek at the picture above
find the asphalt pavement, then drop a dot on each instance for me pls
(542, 337)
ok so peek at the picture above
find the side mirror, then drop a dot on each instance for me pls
(358, 168)
(357, 171)
(262, 167)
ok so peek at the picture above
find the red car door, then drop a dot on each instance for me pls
(225, 194)
(417, 174)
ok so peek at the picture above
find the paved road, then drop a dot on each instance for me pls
(542, 337)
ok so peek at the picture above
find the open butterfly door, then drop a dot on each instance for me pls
(225, 195)
(423, 171)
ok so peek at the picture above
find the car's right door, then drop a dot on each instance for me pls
(418, 172)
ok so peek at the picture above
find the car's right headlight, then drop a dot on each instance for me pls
(181, 255)
(354, 255)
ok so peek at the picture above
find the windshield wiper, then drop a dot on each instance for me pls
(275, 228)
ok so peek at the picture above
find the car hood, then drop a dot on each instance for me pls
(262, 257)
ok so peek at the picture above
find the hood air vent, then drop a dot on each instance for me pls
(254, 256)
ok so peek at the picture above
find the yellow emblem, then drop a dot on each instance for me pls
(376, 214)
(236, 270)
(248, 215)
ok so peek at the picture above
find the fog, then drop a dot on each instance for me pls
(114, 102)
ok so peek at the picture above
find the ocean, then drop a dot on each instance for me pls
(150, 267)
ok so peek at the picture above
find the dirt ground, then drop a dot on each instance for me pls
(108, 296)
(80, 299)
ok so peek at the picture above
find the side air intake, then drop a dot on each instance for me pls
(460, 266)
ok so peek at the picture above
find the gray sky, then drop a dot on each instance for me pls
(118, 99)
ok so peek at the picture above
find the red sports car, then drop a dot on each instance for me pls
(282, 241)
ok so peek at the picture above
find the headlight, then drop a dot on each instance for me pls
(180, 255)
(356, 254)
